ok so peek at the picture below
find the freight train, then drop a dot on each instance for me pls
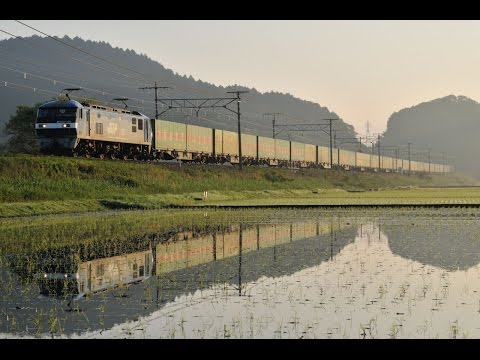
(82, 129)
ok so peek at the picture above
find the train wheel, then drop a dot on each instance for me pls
(101, 156)
(75, 154)
(113, 156)
(87, 155)
(125, 157)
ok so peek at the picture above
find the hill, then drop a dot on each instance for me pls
(450, 124)
(36, 69)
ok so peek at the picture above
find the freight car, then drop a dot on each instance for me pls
(82, 129)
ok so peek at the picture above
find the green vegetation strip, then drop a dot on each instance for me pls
(46, 232)
(38, 185)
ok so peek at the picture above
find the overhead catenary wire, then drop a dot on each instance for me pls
(256, 125)
(147, 79)
(83, 51)
(6, 83)
(74, 59)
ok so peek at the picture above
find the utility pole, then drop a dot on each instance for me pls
(429, 149)
(156, 95)
(409, 161)
(239, 129)
(331, 147)
(378, 144)
(273, 121)
(396, 160)
(210, 103)
(309, 127)
(443, 165)
(335, 146)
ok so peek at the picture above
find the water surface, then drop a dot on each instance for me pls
(319, 277)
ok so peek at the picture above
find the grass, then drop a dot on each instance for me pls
(48, 232)
(36, 185)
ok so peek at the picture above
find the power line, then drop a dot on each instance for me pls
(81, 50)
(37, 89)
(98, 57)
(69, 84)
(156, 95)
(74, 59)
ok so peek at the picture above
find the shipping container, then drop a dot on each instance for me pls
(310, 229)
(199, 139)
(249, 145)
(387, 163)
(282, 234)
(266, 148)
(199, 250)
(323, 154)
(171, 256)
(267, 236)
(170, 135)
(218, 142)
(282, 149)
(298, 151)
(230, 240)
(347, 157)
(310, 153)
(374, 161)
(249, 239)
(297, 231)
(363, 160)
(335, 156)
(230, 143)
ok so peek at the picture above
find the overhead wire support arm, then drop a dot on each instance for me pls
(211, 103)
(197, 104)
(156, 88)
(309, 127)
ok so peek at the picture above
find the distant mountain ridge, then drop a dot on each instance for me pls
(57, 66)
(450, 124)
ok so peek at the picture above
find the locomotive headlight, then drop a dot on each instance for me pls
(65, 125)
(44, 125)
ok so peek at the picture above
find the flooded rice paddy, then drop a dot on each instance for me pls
(313, 276)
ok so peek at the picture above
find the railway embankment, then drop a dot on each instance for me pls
(37, 185)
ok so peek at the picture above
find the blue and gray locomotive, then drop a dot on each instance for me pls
(70, 127)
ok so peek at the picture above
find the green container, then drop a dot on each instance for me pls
(266, 148)
(170, 135)
(199, 139)
(323, 154)
(298, 151)
(347, 157)
(249, 145)
(230, 143)
(363, 160)
(310, 153)
(388, 162)
(282, 149)
(218, 142)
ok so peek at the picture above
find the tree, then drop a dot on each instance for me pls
(21, 129)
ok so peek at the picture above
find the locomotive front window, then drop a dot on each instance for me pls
(56, 115)
(140, 124)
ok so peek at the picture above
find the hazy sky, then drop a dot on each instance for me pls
(362, 70)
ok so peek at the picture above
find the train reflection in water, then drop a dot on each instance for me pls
(133, 283)
(99, 275)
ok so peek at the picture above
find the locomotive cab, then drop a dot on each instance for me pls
(57, 124)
